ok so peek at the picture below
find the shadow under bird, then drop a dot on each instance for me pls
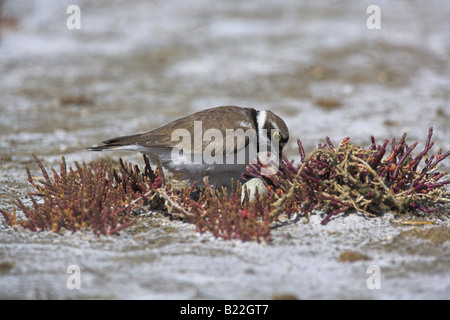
(217, 143)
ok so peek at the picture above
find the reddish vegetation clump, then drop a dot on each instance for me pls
(349, 178)
(331, 179)
(93, 196)
(224, 214)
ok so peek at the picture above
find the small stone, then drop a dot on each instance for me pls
(285, 296)
(352, 256)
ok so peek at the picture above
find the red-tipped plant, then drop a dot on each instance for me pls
(93, 196)
(349, 178)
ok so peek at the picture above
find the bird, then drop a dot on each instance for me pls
(216, 143)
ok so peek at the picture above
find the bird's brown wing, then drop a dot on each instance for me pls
(210, 133)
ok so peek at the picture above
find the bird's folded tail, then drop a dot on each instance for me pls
(101, 148)
(122, 143)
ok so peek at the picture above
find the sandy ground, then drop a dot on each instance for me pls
(171, 261)
(132, 68)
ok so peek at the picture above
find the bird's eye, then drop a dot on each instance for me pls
(276, 136)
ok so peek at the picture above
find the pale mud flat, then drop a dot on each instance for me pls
(171, 261)
(132, 68)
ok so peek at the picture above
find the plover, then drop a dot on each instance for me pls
(217, 143)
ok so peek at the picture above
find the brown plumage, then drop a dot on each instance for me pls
(207, 131)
